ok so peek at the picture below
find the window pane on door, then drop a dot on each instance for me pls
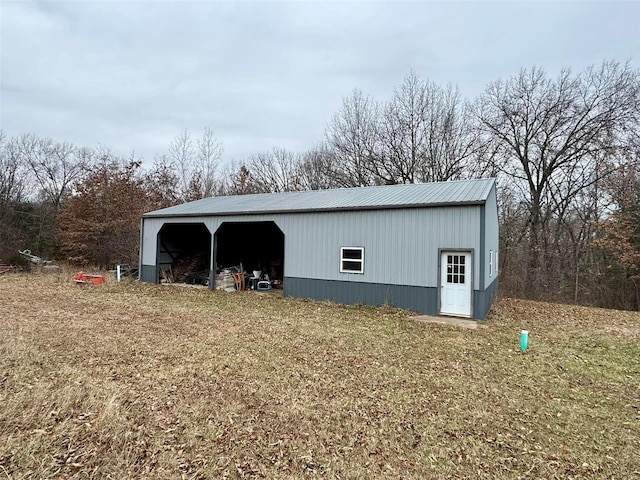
(456, 270)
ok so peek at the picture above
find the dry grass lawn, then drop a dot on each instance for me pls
(141, 381)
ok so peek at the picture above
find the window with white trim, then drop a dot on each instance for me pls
(351, 259)
(496, 261)
(490, 262)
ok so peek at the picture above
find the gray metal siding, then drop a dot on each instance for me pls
(483, 299)
(491, 235)
(151, 227)
(401, 246)
(149, 273)
(416, 299)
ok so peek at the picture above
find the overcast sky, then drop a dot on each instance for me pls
(131, 75)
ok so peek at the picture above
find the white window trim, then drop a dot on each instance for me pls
(496, 262)
(342, 260)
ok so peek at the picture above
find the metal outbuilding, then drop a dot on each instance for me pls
(431, 248)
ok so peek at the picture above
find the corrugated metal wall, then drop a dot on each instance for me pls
(491, 236)
(416, 299)
(150, 229)
(401, 245)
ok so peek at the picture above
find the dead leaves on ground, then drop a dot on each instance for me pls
(143, 381)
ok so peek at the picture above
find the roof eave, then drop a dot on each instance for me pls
(312, 210)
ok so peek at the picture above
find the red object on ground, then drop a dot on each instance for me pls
(82, 278)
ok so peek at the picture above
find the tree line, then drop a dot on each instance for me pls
(565, 150)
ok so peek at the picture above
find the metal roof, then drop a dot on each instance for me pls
(461, 192)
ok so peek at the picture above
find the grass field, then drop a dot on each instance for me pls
(140, 381)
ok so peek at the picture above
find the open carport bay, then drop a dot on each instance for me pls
(184, 253)
(251, 246)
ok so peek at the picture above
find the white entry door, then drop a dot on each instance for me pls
(455, 284)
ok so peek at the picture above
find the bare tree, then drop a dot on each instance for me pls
(280, 170)
(162, 183)
(618, 238)
(181, 156)
(550, 133)
(36, 176)
(353, 139)
(12, 177)
(238, 180)
(425, 133)
(209, 153)
(54, 165)
(275, 171)
(404, 132)
(11, 170)
(452, 139)
(316, 169)
(195, 166)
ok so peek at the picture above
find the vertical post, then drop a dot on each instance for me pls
(212, 261)
(524, 340)
(118, 273)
